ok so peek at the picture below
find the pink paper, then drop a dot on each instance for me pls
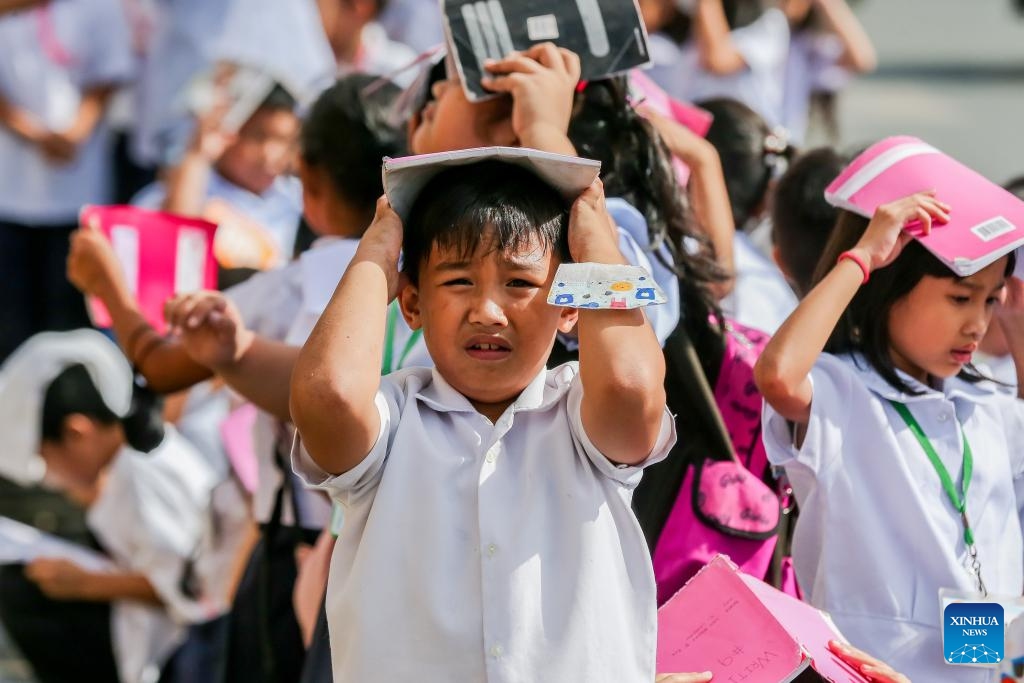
(986, 221)
(162, 254)
(236, 434)
(741, 629)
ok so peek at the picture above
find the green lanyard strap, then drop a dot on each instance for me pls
(959, 501)
(389, 342)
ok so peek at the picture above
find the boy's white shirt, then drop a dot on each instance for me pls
(95, 34)
(877, 536)
(152, 515)
(763, 44)
(480, 552)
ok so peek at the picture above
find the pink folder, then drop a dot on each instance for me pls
(742, 629)
(986, 221)
(162, 254)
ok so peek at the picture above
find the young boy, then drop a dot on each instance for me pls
(488, 534)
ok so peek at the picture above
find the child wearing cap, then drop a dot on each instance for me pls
(488, 534)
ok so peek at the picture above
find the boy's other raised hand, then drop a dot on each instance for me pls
(382, 244)
(210, 328)
(592, 233)
(92, 265)
(542, 82)
(885, 236)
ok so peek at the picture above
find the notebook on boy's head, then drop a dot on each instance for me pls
(608, 35)
(245, 88)
(404, 177)
(986, 221)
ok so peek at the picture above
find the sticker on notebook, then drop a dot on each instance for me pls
(598, 285)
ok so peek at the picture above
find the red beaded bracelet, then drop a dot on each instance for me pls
(859, 261)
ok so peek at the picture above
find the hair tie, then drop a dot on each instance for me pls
(776, 151)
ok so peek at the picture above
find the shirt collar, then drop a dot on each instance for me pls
(541, 392)
(952, 388)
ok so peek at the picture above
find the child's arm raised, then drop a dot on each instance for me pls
(782, 370)
(621, 364)
(337, 374)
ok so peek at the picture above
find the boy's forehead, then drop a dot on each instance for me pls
(532, 253)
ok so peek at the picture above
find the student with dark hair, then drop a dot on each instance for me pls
(344, 136)
(802, 220)
(904, 460)
(69, 397)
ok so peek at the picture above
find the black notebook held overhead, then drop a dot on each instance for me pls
(608, 35)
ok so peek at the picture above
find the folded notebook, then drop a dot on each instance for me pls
(986, 221)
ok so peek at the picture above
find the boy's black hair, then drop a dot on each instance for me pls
(636, 166)
(279, 98)
(801, 218)
(462, 204)
(346, 133)
(73, 392)
(741, 137)
(864, 326)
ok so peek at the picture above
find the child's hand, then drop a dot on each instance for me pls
(876, 671)
(210, 328)
(210, 140)
(682, 142)
(58, 579)
(382, 244)
(92, 265)
(593, 237)
(885, 237)
(58, 148)
(683, 678)
(542, 82)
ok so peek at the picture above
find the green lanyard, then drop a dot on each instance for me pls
(389, 342)
(959, 500)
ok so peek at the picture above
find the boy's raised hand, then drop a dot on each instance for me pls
(210, 328)
(382, 244)
(593, 237)
(885, 237)
(542, 82)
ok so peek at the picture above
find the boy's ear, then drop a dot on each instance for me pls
(567, 320)
(409, 302)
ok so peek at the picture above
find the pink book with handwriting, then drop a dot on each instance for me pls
(742, 629)
(162, 254)
(986, 221)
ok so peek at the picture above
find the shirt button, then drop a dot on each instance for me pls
(943, 416)
(496, 651)
(491, 550)
(492, 454)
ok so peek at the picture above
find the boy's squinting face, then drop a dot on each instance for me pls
(936, 328)
(486, 320)
(449, 121)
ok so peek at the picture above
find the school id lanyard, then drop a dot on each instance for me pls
(389, 342)
(959, 500)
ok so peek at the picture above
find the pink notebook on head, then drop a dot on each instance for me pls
(986, 221)
(162, 254)
(741, 629)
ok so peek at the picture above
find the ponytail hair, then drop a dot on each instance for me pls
(636, 166)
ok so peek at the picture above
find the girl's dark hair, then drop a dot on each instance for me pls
(636, 166)
(73, 392)
(347, 133)
(864, 326)
(751, 153)
(801, 218)
(463, 203)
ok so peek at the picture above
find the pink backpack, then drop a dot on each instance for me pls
(724, 505)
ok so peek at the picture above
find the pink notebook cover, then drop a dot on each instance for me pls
(162, 254)
(986, 221)
(740, 628)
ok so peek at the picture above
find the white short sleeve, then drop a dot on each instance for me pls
(364, 477)
(763, 44)
(832, 385)
(627, 476)
(110, 61)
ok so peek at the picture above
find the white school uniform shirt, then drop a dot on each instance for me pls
(474, 551)
(877, 537)
(763, 44)
(416, 23)
(94, 38)
(151, 517)
(812, 66)
(278, 209)
(761, 298)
